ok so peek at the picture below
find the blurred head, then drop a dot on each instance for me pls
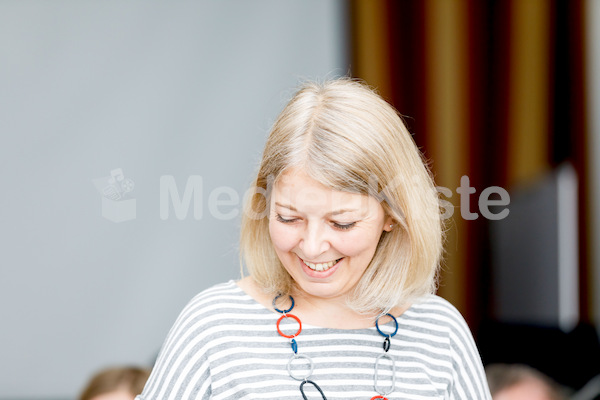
(520, 382)
(116, 384)
(342, 137)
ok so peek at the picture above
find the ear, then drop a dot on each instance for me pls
(388, 224)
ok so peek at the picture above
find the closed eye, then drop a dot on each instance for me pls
(343, 226)
(285, 220)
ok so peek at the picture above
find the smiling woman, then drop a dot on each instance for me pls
(345, 137)
(342, 239)
(325, 239)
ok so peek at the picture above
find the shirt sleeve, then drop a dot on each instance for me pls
(469, 381)
(182, 369)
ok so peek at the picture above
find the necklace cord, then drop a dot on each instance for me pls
(305, 379)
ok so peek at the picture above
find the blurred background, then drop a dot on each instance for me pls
(130, 131)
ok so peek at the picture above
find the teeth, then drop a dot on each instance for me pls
(320, 266)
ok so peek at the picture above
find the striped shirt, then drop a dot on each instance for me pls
(225, 345)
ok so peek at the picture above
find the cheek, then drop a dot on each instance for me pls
(356, 244)
(281, 236)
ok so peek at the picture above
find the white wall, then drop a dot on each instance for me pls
(593, 68)
(155, 88)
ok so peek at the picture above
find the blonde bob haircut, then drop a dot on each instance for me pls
(345, 136)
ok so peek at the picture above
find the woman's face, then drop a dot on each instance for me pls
(325, 239)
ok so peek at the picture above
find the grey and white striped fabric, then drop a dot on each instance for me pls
(225, 345)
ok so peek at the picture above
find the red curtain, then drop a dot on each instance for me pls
(492, 90)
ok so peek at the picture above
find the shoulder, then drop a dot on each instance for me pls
(184, 355)
(212, 313)
(220, 305)
(434, 304)
(223, 298)
(439, 315)
(436, 313)
(225, 290)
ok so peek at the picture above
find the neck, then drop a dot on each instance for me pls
(330, 312)
(316, 311)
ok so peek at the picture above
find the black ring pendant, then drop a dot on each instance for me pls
(316, 387)
(386, 344)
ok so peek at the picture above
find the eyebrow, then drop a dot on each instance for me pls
(336, 212)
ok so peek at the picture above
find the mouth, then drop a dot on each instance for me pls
(321, 267)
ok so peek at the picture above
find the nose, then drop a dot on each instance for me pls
(314, 241)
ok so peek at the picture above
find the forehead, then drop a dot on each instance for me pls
(295, 188)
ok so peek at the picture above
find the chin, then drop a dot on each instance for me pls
(323, 290)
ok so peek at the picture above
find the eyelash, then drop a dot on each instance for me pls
(335, 224)
(285, 221)
(345, 226)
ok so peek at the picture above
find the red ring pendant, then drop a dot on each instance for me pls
(291, 316)
(379, 397)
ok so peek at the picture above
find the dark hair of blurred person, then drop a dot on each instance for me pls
(521, 382)
(119, 383)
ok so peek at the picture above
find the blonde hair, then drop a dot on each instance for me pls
(129, 379)
(345, 136)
